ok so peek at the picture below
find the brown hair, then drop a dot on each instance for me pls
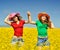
(19, 17)
(47, 18)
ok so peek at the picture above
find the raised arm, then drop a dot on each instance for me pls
(29, 18)
(7, 20)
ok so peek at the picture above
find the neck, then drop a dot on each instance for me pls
(17, 22)
(42, 21)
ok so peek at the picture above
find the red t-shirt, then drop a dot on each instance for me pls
(18, 28)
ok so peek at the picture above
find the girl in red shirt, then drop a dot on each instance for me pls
(14, 20)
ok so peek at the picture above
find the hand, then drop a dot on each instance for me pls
(28, 13)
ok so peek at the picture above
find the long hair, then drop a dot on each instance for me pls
(47, 21)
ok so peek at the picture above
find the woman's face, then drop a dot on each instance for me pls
(43, 18)
(15, 19)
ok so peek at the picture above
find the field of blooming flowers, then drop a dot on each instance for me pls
(30, 37)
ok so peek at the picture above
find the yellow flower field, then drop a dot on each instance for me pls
(30, 37)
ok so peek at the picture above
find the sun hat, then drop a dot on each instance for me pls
(43, 14)
(12, 15)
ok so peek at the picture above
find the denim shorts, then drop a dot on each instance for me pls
(43, 42)
(15, 40)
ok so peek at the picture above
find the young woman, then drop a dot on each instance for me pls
(15, 20)
(42, 25)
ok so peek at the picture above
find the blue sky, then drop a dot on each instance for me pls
(52, 7)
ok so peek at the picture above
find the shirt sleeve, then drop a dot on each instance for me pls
(11, 23)
(23, 21)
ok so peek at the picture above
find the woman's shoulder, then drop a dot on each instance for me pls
(22, 20)
(37, 21)
(12, 23)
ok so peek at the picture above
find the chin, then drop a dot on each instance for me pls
(43, 20)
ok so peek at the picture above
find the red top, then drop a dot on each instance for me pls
(18, 28)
